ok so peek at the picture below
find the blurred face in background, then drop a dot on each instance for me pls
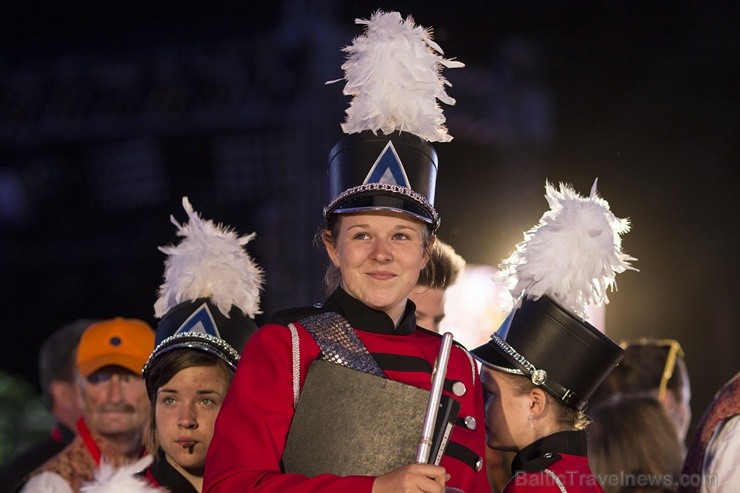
(115, 402)
(430, 306)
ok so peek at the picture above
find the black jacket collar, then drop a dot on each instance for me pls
(365, 318)
(167, 476)
(539, 455)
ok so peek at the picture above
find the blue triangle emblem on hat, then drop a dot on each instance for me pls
(200, 320)
(503, 329)
(388, 168)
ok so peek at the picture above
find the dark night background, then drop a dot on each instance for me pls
(111, 111)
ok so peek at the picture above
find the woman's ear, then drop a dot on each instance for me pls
(427, 254)
(331, 248)
(538, 401)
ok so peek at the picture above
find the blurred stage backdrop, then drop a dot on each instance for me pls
(110, 112)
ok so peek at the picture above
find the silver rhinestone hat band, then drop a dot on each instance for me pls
(388, 188)
(538, 377)
(195, 340)
(528, 367)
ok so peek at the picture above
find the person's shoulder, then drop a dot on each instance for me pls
(46, 481)
(290, 315)
(26, 462)
(428, 332)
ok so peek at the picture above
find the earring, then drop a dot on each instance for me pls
(531, 420)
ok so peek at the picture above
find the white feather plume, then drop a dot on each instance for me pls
(393, 73)
(572, 255)
(110, 479)
(211, 262)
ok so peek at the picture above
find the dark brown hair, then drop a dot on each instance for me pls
(443, 267)
(641, 371)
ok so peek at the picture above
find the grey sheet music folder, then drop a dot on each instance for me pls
(348, 422)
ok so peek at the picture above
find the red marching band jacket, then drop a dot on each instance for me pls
(252, 426)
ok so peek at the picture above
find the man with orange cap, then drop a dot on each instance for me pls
(115, 405)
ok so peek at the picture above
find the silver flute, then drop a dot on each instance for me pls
(430, 417)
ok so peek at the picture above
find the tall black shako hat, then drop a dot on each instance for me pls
(211, 292)
(565, 263)
(392, 72)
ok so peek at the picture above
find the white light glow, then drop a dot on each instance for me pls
(475, 306)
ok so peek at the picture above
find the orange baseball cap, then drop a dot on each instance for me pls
(119, 341)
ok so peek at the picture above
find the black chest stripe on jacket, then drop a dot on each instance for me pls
(400, 362)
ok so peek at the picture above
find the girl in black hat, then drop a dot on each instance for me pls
(206, 306)
(534, 395)
(187, 388)
(378, 234)
(539, 369)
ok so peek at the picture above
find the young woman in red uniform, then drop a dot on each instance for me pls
(543, 422)
(380, 254)
(545, 361)
(378, 234)
(206, 306)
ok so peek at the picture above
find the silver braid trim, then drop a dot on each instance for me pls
(473, 366)
(296, 354)
(555, 478)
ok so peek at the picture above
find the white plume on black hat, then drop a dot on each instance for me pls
(209, 262)
(385, 162)
(211, 292)
(566, 262)
(572, 255)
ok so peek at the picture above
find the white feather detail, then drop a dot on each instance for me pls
(393, 73)
(46, 482)
(111, 479)
(211, 262)
(572, 255)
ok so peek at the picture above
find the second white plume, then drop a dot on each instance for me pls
(209, 262)
(572, 255)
